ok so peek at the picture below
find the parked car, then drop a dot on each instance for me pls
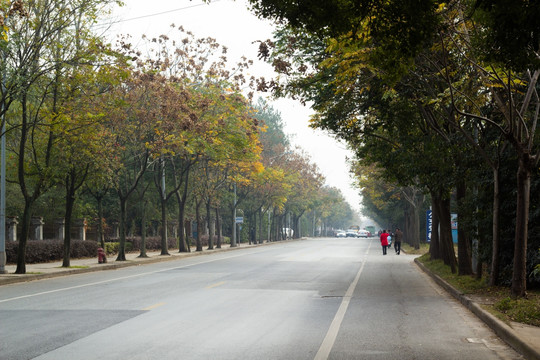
(341, 234)
(363, 233)
(287, 233)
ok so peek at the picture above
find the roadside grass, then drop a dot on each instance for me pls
(424, 248)
(497, 300)
(76, 267)
(526, 311)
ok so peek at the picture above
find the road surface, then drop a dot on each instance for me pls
(311, 299)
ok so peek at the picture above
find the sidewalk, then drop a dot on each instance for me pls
(523, 338)
(78, 266)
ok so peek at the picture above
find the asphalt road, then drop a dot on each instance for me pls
(310, 299)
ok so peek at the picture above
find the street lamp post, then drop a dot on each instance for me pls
(3, 180)
(3, 193)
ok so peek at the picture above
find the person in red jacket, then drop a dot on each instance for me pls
(384, 241)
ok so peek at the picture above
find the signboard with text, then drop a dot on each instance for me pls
(429, 225)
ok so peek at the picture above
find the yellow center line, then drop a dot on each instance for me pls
(215, 285)
(153, 306)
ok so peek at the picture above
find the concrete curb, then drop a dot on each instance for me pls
(505, 332)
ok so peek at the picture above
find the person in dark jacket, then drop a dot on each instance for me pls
(398, 236)
(384, 241)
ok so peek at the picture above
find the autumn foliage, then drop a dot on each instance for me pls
(150, 138)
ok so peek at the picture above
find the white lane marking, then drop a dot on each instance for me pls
(331, 335)
(122, 278)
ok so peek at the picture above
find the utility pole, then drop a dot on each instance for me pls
(3, 176)
(3, 191)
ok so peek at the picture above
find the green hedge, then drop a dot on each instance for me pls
(50, 250)
(53, 250)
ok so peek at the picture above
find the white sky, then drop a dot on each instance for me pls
(232, 25)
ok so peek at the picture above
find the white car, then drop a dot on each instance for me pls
(341, 234)
(363, 233)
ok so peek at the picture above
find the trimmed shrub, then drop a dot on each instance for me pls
(111, 248)
(153, 243)
(53, 250)
(134, 244)
(50, 250)
(204, 240)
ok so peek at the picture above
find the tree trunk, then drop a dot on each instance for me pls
(276, 226)
(251, 228)
(101, 237)
(164, 224)
(464, 248)
(445, 240)
(412, 217)
(495, 259)
(233, 234)
(123, 217)
(282, 224)
(251, 231)
(296, 226)
(519, 277)
(272, 226)
(142, 253)
(182, 233)
(254, 227)
(70, 201)
(218, 229)
(313, 225)
(209, 222)
(416, 228)
(183, 245)
(407, 216)
(29, 200)
(260, 233)
(25, 231)
(199, 225)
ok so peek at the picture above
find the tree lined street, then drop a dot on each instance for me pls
(316, 298)
(160, 143)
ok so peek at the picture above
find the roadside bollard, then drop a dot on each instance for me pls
(102, 259)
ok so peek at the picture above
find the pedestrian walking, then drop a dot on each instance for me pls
(384, 241)
(398, 236)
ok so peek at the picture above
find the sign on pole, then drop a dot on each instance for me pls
(429, 225)
(239, 219)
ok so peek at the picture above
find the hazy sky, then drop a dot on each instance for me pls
(232, 25)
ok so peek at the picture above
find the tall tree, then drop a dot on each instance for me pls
(32, 65)
(514, 96)
(134, 131)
